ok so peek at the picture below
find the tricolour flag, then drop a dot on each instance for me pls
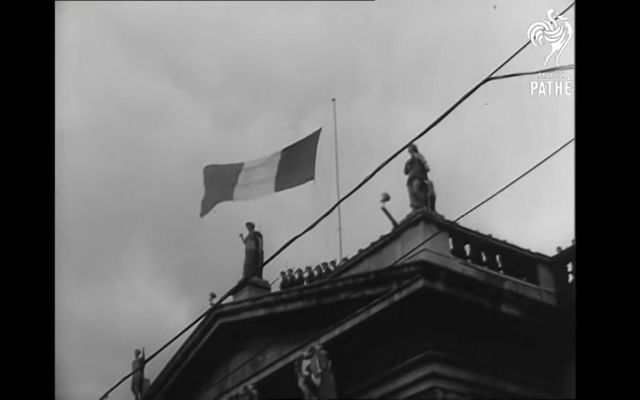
(284, 169)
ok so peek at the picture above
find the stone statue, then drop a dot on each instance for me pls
(303, 371)
(137, 379)
(315, 376)
(146, 382)
(253, 252)
(421, 190)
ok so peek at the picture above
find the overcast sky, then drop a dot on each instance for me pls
(148, 93)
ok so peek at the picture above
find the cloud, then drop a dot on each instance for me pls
(147, 93)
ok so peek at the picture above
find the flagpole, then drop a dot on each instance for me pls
(335, 142)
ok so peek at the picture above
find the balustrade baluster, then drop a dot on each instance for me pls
(457, 248)
(475, 254)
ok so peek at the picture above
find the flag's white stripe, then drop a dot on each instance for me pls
(257, 178)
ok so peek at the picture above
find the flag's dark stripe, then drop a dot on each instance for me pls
(297, 162)
(219, 182)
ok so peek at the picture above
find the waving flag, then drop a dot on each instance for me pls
(284, 169)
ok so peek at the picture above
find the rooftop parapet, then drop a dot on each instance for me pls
(459, 249)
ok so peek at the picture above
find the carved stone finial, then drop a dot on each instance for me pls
(315, 375)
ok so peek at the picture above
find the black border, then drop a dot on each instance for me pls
(34, 302)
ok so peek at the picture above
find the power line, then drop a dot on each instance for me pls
(502, 189)
(152, 356)
(307, 343)
(505, 187)
(265, 348)
(244, 280)
(541, 71)
(403, 148)
(498, 77)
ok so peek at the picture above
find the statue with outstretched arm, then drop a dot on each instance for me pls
(253, 252)
(137, 379)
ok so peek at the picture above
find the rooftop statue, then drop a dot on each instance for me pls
(421, 190)
(137, 379)
(253, 252)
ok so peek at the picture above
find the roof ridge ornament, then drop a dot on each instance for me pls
(384, 199)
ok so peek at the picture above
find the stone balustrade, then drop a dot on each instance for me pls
(496, 258)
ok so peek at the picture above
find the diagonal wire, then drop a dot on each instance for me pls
(307, 342)
(541, 71)
(403, 148)
(300, 345)
(472, 209)
(244, 280)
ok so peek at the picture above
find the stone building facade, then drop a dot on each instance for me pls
(465, 316)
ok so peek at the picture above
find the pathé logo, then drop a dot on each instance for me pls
(552, 32)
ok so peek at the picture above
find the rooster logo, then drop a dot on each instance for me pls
(557, 34)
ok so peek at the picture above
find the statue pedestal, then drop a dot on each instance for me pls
(432, 214)
(254, 287)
